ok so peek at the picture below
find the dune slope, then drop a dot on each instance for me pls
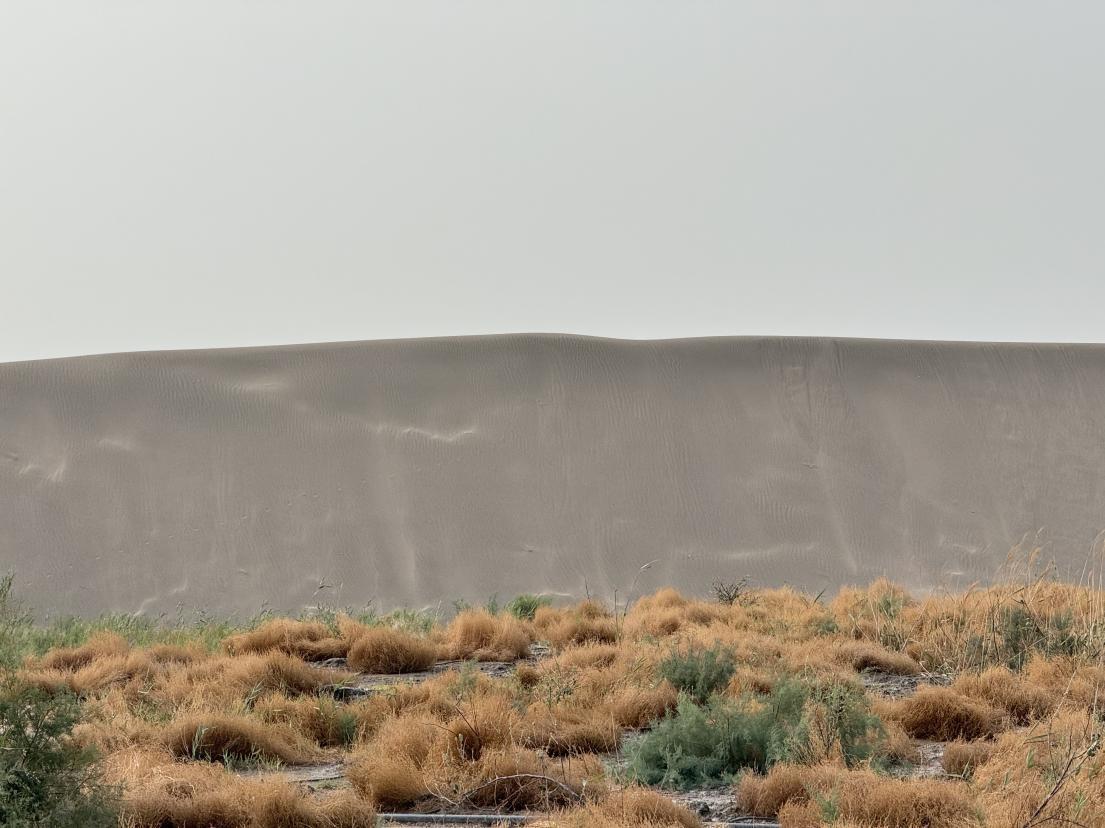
(412, 472)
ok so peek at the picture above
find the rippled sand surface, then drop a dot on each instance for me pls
(415, 472)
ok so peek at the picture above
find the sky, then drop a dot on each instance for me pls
(211, 173)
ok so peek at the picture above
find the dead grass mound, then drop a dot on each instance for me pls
(638, 707)
(860, 797)
(386, 650)
(100, 645)
(477, 634)
(161, 793)
(961, 758)
(222, 680)
(629, 808)
(320, 719)
(942, 715)
(587, 622)
(311, 640)
(866, 655)
(219, 737)
(1003, 689)
(1048, 774)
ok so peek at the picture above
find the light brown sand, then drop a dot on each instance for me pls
(412, 472)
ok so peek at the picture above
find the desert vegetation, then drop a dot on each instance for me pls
(872, 708)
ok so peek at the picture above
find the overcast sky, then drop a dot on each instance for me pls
(204, 174)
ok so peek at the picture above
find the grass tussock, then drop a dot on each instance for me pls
(587, 622)
(832, 794)
(309, 640)
(227, 738)
(479, 635)
(631, 807)
(162, 793)
(961, 758)
(385, 650)
(943, 715)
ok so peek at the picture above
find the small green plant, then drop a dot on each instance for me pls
(797, 722)
(45, 779)
(525, 606)
(699, 673)
(828, 806)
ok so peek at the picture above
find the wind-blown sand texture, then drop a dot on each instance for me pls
(412, 472)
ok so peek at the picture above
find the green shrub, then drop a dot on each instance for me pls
(45, 779)
(525, 606)
(699, 673)
(709, 744)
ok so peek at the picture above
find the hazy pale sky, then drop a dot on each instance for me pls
(203, 174)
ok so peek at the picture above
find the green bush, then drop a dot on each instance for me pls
(45, 779)
(709, 744)
(699, 673)
(525, 606)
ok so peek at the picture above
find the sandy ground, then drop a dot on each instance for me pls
(416, 472)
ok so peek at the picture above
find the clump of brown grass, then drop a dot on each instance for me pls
(161, 793)
(310, 640)
(865, 655)
(961, 758)
(638, 707)
(320, 719)
(1048, 775)
(859, 797)
(100, 645)
(570, 729)
(386, 650)
(998, 686)
(222, 680)
(479, 635)
(387, 781)
(586, 622)
(629, 808)
(516, 779)
(1069, 679)
(941, 714)
(221, 737)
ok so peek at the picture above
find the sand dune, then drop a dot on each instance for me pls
(413, 472)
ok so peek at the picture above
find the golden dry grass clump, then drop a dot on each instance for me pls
(629, 808)
(310, 640)
(385, 650)
(941, 714)
(586, 622)
(477, 634)
(222, 737)
(159, 792)
(1020, 699)
(961, 758)
(798, 796)
(1049, 774)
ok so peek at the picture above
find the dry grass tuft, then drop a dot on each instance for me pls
(860, 797)
(630, 808)
(961, 758)
(222, 737)
(385, 650)
(311, 640)
(100, 645)
(161, 793)
(587, 622)
(865, 655)
(1020, 699)
(479, 635)
(942, 715)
